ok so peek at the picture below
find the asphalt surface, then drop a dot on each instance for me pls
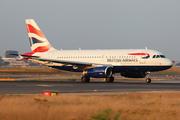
(37, 87)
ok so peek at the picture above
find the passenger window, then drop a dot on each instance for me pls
(154, 56)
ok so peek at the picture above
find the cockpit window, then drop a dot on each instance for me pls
(159, 56)
(162, 56)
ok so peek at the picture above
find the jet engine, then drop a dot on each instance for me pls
(99, 72)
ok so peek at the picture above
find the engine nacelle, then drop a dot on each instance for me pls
(99, 72)
(134, 74)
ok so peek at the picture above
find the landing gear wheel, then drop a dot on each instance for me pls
(110, 79)
(148, 80)
(85, 79)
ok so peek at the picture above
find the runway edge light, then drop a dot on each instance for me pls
(50, 93)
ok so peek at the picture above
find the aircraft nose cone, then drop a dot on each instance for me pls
(169, 63)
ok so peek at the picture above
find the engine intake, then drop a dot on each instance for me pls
(99, 72)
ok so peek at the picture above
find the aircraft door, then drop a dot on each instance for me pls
(102, 58)
(50, 55)
(142, 59)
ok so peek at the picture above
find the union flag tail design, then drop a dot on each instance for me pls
(37, 40)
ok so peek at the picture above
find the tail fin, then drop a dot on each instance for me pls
(37, 40)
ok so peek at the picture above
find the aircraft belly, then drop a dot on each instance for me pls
(117, 69)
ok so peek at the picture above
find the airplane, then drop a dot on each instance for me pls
(131, 63)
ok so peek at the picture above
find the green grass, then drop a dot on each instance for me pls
(105, 115)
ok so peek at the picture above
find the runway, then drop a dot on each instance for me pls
(37, 87)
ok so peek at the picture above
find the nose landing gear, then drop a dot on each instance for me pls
(148, 80)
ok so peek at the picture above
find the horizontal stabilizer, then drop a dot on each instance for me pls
(27, 56)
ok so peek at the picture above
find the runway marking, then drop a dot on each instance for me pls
(4, 79)
(43, 85)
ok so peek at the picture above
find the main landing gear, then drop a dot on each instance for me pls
(86, 78)
(110, 79)
(148, 80)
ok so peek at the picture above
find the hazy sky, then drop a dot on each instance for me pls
(93, 24)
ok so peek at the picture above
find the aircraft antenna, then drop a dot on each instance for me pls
(146, 50)
(145, 47)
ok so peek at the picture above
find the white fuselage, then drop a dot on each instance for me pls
(119, 57)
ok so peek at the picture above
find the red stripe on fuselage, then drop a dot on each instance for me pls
(32, 29)
(138, 54)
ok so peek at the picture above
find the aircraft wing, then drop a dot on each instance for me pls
(81, 65)
(63, 61)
